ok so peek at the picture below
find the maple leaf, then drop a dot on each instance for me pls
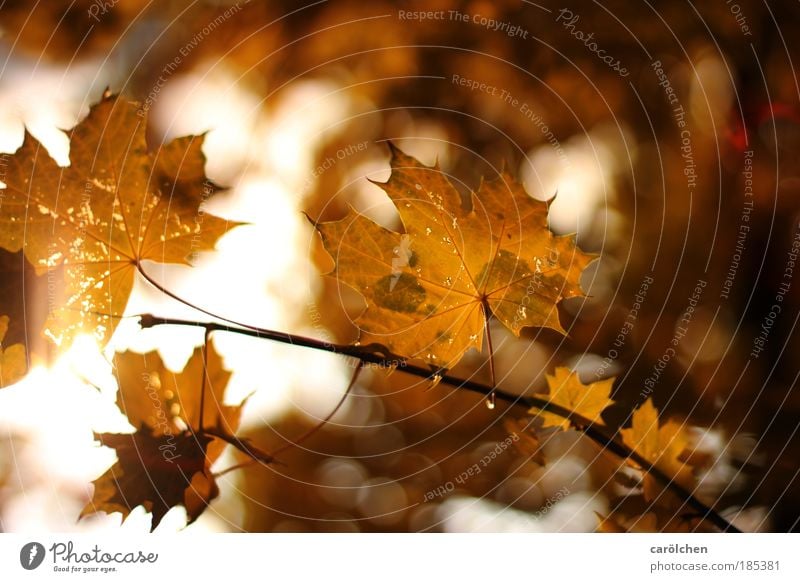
(661, 446)
(168, 402)
(156, 472)
(587, 400)
(105, 213)
(167, 461)
(428, 290)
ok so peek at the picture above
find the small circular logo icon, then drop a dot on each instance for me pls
(31, 555)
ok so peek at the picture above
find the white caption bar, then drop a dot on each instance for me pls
(401, 557)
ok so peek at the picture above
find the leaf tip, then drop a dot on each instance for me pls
(314, 223)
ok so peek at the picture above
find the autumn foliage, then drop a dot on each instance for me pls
(505, 236)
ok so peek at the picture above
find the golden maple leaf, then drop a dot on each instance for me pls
(566, 390)
(428, 290)
(661, 446)
(105, 213)
(166, 462)
(152, 395)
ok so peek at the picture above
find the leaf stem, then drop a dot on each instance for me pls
(205, 380)
(375, 356)
(491, 400)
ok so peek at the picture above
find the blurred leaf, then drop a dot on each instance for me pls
(13, 360)
(661, 445)
(647, 523)
(528, 443)
(23, 310)
(607, 524)
(62, 29)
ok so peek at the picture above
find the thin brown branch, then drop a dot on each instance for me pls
(377, 355)
(204, 383)
(243, 445)
(326, 420)
(236, 467)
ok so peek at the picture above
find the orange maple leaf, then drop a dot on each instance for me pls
(430, 289)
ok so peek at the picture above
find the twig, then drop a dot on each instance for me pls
(325, 420)
(376, 355)
(205, 380)
(235, 467)
(307, 434)
(243, 445)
